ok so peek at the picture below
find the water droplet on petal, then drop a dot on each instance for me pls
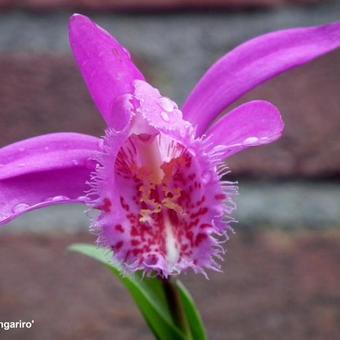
(167, 104)
(75, 162)
(250, 140)
(21, 165)
(46, 148)
(101, 143)
(165, 116)
(59, 198)
(20, 207)
(3, 216)
(82, 198)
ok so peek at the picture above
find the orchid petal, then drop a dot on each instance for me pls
(105, 64)
(46, 170)
(255, 123)
(251, 64)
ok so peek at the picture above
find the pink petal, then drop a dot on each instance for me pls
(105, 64)
(251, 64)
(251, 124)
(45, 170)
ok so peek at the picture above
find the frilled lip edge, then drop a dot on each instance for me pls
(218, 237)
(209, 155)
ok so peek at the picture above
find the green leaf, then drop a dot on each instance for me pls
(191, 312)
(148, 294)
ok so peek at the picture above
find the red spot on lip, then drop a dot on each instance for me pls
(220, 197)
(117, 246)
(205, 225)
(124, 205)
(193, 223)
(119, 228)
(135, 243)
(189, 235)
(136, 251)
(204, 211)
(192, 176)
(144, 137)
(106, 206)
(173, 217)
(134, 231)
(151, 260)
(200, 238)
(184, 247)
(200, 212)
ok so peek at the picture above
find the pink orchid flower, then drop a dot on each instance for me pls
(156, 178)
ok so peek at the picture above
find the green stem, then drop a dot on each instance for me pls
(176, 306)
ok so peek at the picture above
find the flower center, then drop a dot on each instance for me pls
(158, 195)
(162, 199)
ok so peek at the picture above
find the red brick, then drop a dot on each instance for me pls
(148, 4)
(41, 94)
(274, 286)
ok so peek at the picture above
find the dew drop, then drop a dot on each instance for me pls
(20, 207)
(59, 198)
(101, 143)
(46, 148)
(167, 104)
(75, 162)
(3, 216)
(165, 116)
(83, 198)
(250, 140)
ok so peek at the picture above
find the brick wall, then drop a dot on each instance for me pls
(41, 90)
(149, 4)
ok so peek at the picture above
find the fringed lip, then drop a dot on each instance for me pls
(161, 200)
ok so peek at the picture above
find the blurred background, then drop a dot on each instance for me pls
(281, 276)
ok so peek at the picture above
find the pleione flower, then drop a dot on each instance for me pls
(157, 178)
